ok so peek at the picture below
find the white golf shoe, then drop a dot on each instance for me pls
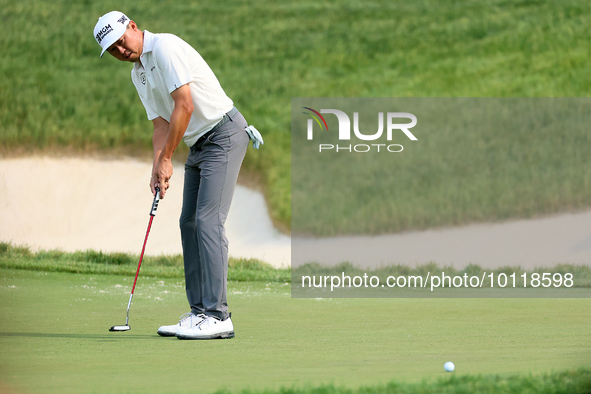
(208, 328)
(188, 320)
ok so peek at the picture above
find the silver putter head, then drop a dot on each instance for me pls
(120, 328)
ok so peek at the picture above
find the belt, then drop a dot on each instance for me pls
(227, 117)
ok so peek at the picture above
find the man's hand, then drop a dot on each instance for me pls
(161, 174)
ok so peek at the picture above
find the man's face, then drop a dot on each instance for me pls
(130, 46)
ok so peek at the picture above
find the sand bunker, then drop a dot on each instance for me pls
(543, 242)
(77, 204)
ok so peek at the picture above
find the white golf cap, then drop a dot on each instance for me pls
(109, 28)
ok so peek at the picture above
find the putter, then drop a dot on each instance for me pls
(126, 327)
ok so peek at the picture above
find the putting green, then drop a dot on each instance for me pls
(54, 337)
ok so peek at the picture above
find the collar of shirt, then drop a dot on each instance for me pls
(148, 45)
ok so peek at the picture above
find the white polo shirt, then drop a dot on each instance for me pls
(167, 63)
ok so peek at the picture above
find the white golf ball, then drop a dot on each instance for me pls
(449, 366)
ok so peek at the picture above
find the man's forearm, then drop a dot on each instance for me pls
(159, 139)
(179, 121)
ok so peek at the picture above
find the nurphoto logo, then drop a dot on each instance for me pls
(344, 130)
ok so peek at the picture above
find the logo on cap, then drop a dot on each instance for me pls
(103, 32)
(122, 20)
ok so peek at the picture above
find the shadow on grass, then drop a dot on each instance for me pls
(75, 336)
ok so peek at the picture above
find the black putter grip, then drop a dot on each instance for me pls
(155, 203)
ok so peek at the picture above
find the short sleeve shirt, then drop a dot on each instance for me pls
(167, 63)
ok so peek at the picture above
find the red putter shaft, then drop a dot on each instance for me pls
(142, 255)
(152, 214)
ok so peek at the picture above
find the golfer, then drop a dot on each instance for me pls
(185, 101)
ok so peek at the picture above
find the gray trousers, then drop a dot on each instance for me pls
(211, 172)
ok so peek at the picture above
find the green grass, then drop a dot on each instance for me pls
(249, 270)
(93, 262)
(578, 381)
(54, 339)
(56, 93)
